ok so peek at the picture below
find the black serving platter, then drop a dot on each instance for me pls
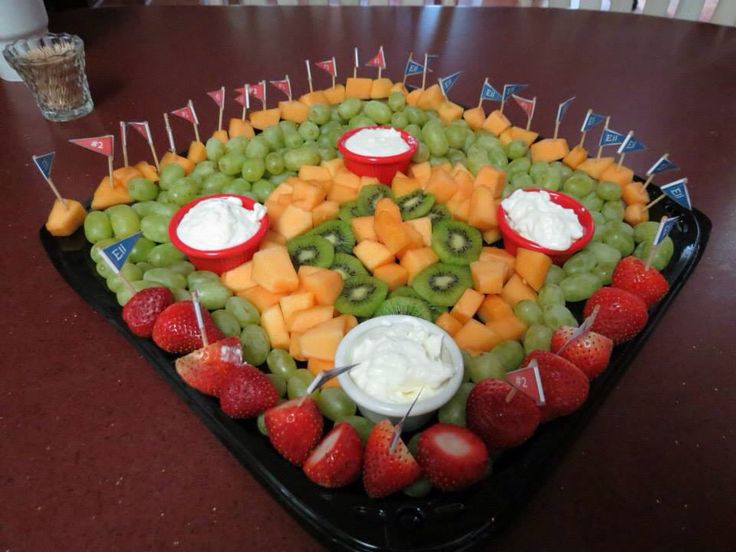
(347, 518)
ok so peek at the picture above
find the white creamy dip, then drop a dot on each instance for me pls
(537, 218)
(219, 223)
(377, 142)
(397, 361)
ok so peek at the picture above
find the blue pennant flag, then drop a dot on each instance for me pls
(665, 227)
(591, 120)
(511, 89)
(631, 144)
(413, 68)
(118, 252)
(448, 82)
(562, 109)
(677, 191)
(611, 138)
(661, 165)
(490, 93)
(44, 162)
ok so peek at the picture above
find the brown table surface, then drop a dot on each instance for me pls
(98, 453)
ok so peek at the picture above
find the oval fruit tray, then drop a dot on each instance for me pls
(346, 517)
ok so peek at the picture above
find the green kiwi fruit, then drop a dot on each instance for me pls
(348, 266)
(405, 305)
(370, 195)
(406, 291)
(361, 296)
(348, 211)
(439, 212)
(311, 250)
(415, 204)
(456, 242)
(338, 233)
(442, 284)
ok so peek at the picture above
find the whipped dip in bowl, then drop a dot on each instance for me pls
(399, 356)
(377, 151)
(219, 232)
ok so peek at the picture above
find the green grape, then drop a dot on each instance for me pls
(334, 404)
(261, 424)
(97, 226)
(438, 160)
(598, 218)
(124, 295)
(231, 163)
(170, 174)
(498, 158)
(202, 171)
(129, 271)
(538, 170)
(274, 162)
(565, 171)
(279, 178)
(305, 155)
(156, 228)
(537, 337)
(516, 149)
(488, 141)
(608, 191)
(292, 140)
(319, 114)
(485, 365)
(604, 271)
(466, 365)
(599, 231)
(550, 294)
(578, 185)
(262, 189)
(274, 137)
(226, 322)
(213, 295)
(613, 210)
(415, 115)
(645, 231)
(237, 144)
(215, 149)
(662, 255)
(604, 254)
(140, 250)
(280, 362)
(396, 101)
(183, 191)
(180, 294)
(145, 208)
(103, 269)
(475, 152)
(555, 274)
(422, 153)
(256, 345)
(456, 156)
(142, 189)
(453, 411)
(510, 353)
(455, 136)
(361, 120)
(242, 309)
(552, 179)
(414, 130)
(253, 169)
(288, 126)
(475, 165)
(124, 220)
(257, 148)
(349, 108)
(308, 130)
(619, 226)
(528, 312)
(362, 425)
(520, 181)
(164, 255)
(582, 261)
(94, 251)
(520, 165)
(580, 286)
(620, 241)
(215, 183)
(592, 202)
(165, 277)
(434, 136)
(419, 489)
(198, 277)
(297, 385)
(185, 268)
(379, 112)
(558, 315)
(326, 153)
(279, 382)
(238, 186)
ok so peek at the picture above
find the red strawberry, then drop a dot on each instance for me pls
(294, 429)
(452, 457)
(141, 311)
(565, 386)
(632, 275)
(337, 460)
(499, 423)
(386, 472)
(246, 392)
(176, 329)
(590, 352)
(621, 316)
(207, 369)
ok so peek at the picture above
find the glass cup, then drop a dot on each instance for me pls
(53, 68)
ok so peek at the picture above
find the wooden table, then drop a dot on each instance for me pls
(98, 452)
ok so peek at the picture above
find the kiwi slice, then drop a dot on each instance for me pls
(406, 291)
(311, 250)
(439, 212)
(338, 233)
(456, 242)
(415, 204)
(442, 284)
(348, 211)
(405, 305)
(348, 266)
(370, 195)
(361, 296)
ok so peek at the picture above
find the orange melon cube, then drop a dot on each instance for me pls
(416, 240)
(577, 155)
(475, 337)
(106, 195)
(295, 348)
(363, 228)
(475, 117)
(64, 218)
(468, 304)
(636, 213)
(483, 208)
(496, 123)
(294, 111)
(492, 236)
(305, 319)
(594, 167)
(342, 194)
(634, 192)
(399, 87)
(307, 196)
(350, 321)
(494, 308)
(423, 226)
(499, 254)
(448, 323)
(314, 98)
(368, 181)
(491, 178)
(265, 118)
(336, 94)
(518, 133)
(460, 170)
(239, 278)
(532, 266)
(293, 222)
(442, 186)
(147, 170)
(449, 111)
(391, 233)
(416, 260)
(617, 173)
(386, 208)
(171, 157)
(373, 254)
(459, 208)
(441, 167)
(488, 276)
(508, 328)
(464, 183)
(344, 177)
(393, 274)
(272, 270)
(316, 365)
(421, 172)
(272, 239)
(413, 97)
(381, 88)
(333, 166)
(516, 290)
(272, 321)
(359, 88)
(239, 127)
(197, 152)
(403, 185)
(221, 135)
(311, 172)
(326, 286)
(282, 189)
(322, 340)
(291, 304)
(125, 174)
(261, 298)
(549, 149)
(431, 98)
(327, 210)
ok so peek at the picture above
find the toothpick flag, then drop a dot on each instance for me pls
(561, 110)
(661, 165)
(309, 76)
(400, 425)
(528, 381)
(583, 329)
(356, 63)
(448, 82)
(528, 106)
(630, 144)
(508, 91)
(258, 91)
(379, 60)
(188, 114)
(99, 144)
(144, 130)
(412, 68)
(283, 85)
(664, 228)
(426, 68)
(124, 142)
(591, 120)
(218, 96)
(169, 134)
(677, 191)
(44, 163)
(611, 138)
(118, 251)
(330, 66)
(487, 92)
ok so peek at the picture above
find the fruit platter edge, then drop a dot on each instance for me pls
(346, 517)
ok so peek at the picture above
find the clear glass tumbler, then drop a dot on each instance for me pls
(53, 68)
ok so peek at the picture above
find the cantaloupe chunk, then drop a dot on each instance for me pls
(621, 175)
(393, 274)
(549, 149)
(294, 111)
(326, 286)
(431, 98)
(416, 260)
(261, 298)
(459, 168)
(518, 133)
(391, 233)
(468, 304)
(272, 321)
(577, 155)
(350, 321)
(475, 117)
(314, 98)
(221, 135)
(359, 88)
(459, 208)
(381, 88)
(295, 347)
(499, 254)
(483, 209)
(421, 172)
(464, 183)
(327, 210)
(442, 186)
(196, 152)
(363, 228)
(106, 196)
(491, 178)
(239, 278)
(344, 177)
(634, 192)
(445, 167)
(273, 237)
(595, 167)
(373, 254)
(306, 270)
(171, 157)
(125, 174)
(403, 185)
(333, 165)
(307, 196)
(413, 96)
(386, 207)
(516, 290)
(448, 323)
(147, 170)
(317, 365)
(322, 340)
(492, 236)
(265, 118)
(475, 337)
(293, 221)
(636, 213)
(239, 127)
(368, 181)
(508, 327)
(449, 111)
(272, 270)
(303, 320)
(532, 266)
(312, 172)
(295, 302)
(496, 123)
(494, 308)
(423, 225)
(342, 194)
(399, 87)
(488, 276)
(336, 94)
(64, 218)
(416, 240)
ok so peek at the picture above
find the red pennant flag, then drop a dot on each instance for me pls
(283, 85)
(186, 113)
(99, 144)
(377, 61)
(240, 99)
(257, 90)
(218, 96)
(525, 104)
(528, 381)
(327, 65)
(142, 128)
